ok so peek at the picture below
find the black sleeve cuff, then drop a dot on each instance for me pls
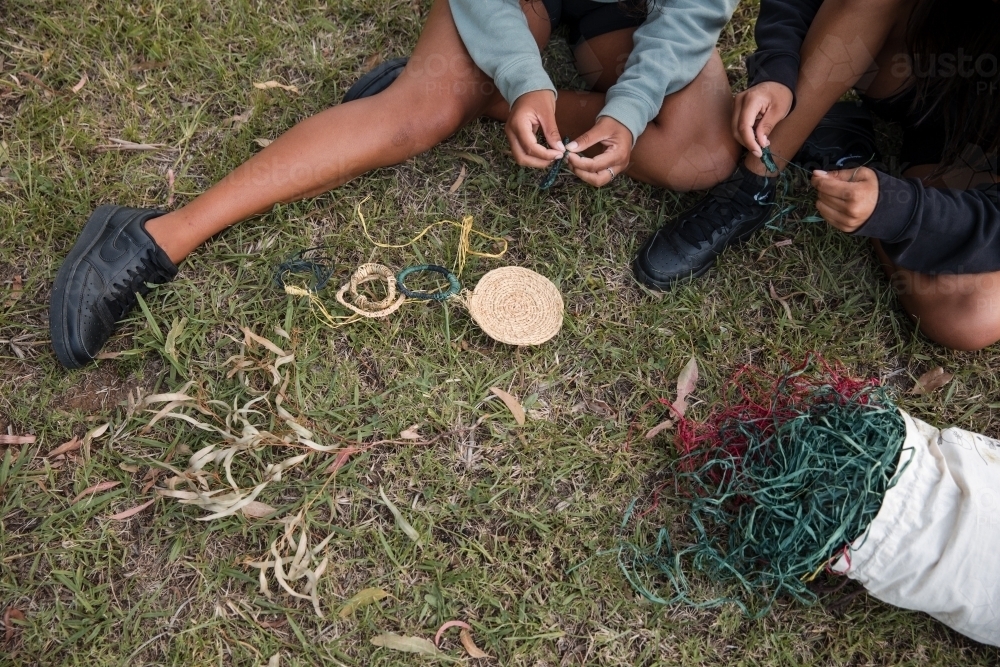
(897, 202)
(781, 67)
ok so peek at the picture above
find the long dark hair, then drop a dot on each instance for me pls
(957, 45)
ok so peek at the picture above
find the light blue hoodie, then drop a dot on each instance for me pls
(669, 51)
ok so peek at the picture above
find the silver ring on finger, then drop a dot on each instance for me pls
(611, 171)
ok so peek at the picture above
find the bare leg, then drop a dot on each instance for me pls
(839, 50)
(440, 90)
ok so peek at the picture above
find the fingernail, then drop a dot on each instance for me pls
(560, 147)
(819, 172)
(572, 146)
(758, 153)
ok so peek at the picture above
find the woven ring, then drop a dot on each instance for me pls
(453, 285)
(362, 305)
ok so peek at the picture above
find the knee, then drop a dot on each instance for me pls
(967, 324)
(687, 163)
(423, 118)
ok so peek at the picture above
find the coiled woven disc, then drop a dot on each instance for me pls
(517, 306)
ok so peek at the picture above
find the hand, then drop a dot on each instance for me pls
(617, 142)
(847, 198)
(757, 111)
(529, 113)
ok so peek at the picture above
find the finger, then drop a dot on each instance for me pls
(598, 179)
(832, 216)
(612, 157)
(526, 149)
(734, 122)
(748, 118)
(586, 140)
(766, 125)
(525, 128)
(832, 186)
(551, 132)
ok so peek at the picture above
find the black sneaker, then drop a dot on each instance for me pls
(687, 247)
(844, 139)
(376, 80)
(95, 288)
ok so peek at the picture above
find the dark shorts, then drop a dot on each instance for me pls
(587, 19)
(924, 134)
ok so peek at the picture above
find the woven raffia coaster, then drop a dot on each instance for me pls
(517, 306)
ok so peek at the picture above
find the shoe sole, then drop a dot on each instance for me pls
(58, 331)
(666, 285)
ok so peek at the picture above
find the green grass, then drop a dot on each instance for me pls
(503, 525)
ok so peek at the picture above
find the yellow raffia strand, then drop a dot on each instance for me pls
(464, 241)
(464, 251)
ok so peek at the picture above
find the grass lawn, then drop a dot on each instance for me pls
(504, 510)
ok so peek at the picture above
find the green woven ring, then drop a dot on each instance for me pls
(453, 285)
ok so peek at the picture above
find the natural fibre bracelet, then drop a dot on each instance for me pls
(453, 285)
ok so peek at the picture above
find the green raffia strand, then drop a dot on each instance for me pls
(553, 173)
(765, 522)
(768, 160)
(298, 263)
(454, 286)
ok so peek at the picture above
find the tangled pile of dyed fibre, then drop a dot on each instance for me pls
(776, 485)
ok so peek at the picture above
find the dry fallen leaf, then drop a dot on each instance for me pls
(16, 439)
(263, 143)
(16, 287)
(257, 510)
(458, 181)
(267, 85)
(121, 516)
(512, 404)
(686, 383)
(342, 457)
(412, 433)
(70, 446)
(470, 646)
(931, 380)
(96, 488)
(80, 84)
(659, 428)
(10, 614)
(123, 145)
(372, 61)
(406, 644)
(129, 467)
(362, 599)
(783, 302)
(449, 624)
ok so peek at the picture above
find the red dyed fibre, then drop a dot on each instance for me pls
(766, 401)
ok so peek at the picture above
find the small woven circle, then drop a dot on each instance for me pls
(453, 285)
(517, 306)
(364, 306)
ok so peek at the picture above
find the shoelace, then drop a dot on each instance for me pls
(122, 294)
(699, 225)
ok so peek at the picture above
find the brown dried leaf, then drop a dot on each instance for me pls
(686, 383)
(659, 428)
(372, 61)
(257, 510)
(121, 516)
(16, 439)
(96, 488)
(267, 85)
(449, 624)
(362, 599)
(783, 302)
(123, 145)
(263, 143)
(512, 404)
(11, 613)
(931, 380)
(412, 433)
(405, 644)
(16, 288)
(80, 84)
(342, 457)
(129, 467)
(70, 446)
(458, 181)
(470, 646)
